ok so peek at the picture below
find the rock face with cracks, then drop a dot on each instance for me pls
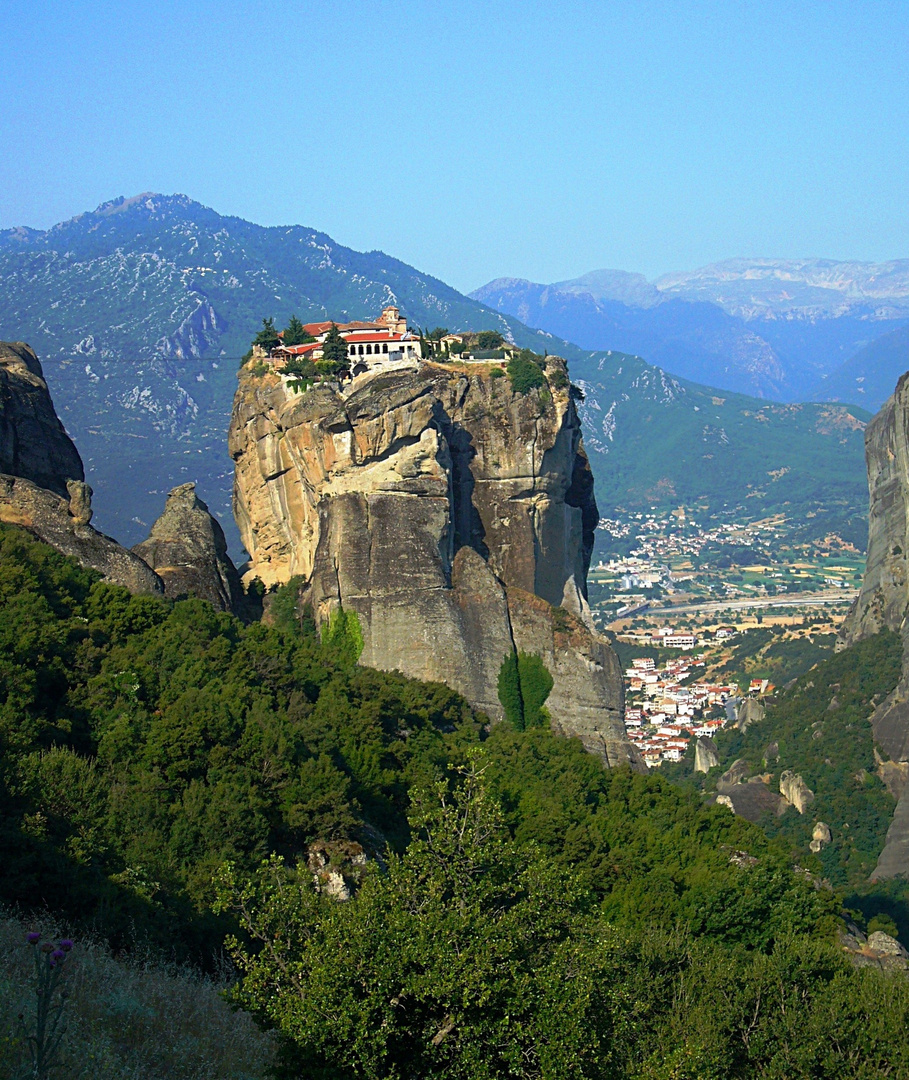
(42, 482)
(454, 515)
(883, 601)
(188, 551)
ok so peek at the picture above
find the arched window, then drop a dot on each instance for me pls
(361, 350)
(353, 350)
(384, 348)
(368, 349)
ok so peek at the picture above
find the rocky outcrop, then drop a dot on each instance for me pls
(735, 774)
(188, 551)
(883, 602)
(63, 523)
(705, 754)
(751, 799)
(452, 514)
(820, 836)
(42, 483)
(795, 791)
(884, 597)
(33, 442)
(749, 711)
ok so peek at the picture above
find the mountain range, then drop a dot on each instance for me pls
(786, 330)
(141, 310)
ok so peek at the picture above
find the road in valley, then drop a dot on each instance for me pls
(833, 596)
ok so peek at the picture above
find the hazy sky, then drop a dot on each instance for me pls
(477, 139)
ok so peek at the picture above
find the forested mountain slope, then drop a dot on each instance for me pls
(154, 752)
(656, 440)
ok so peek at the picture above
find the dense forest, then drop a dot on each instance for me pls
(175, 779)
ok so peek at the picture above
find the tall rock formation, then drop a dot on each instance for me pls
(883, 601)
(452, 514)
(42, 482)
(188, 551)
(33, 442)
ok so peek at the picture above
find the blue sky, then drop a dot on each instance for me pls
(477, 139)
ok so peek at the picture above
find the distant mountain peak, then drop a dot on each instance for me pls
(121, 203)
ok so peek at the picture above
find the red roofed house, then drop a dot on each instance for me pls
(369, 344)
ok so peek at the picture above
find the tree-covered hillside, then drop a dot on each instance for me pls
(169, 774)
(819, 729)
(658, 441)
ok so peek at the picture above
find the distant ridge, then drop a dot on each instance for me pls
(105, 297)
(775, 328)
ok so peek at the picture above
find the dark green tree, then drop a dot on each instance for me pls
(267, 338)
(294, 334)
(489, 339)
(334, 350)
(536, 684)
(525, 375)
(509, 688)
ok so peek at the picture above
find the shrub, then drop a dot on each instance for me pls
(525, 375)
(524, 685)
(490, 339)
(344, 634)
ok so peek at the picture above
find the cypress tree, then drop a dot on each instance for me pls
(294, 334)
(509, 688)
(334, 350)
(536, 683)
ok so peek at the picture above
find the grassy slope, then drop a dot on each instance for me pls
(128, 1019)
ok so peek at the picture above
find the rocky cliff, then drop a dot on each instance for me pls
(33, 443)
(42, 485)
(883, 601)
(188, 551)
(454, 515)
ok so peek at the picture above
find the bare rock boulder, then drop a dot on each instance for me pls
(749, 711)
(705, 754)
(820, 837)
(188, 551)
(796, 792)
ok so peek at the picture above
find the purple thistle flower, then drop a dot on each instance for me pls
(57, 955)
(47, 947)
(33, 938)
(65, 945)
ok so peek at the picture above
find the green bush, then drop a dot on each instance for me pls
(524, 685)
(525, 375)
(344, 635)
